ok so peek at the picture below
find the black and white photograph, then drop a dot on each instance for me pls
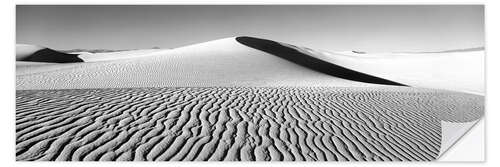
(291, 83)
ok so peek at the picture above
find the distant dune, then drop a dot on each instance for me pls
(40, 54)
(111, 56)
(243, 99)
(464, 50)
(24, 50)
(90, 50)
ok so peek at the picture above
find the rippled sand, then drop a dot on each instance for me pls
(238, 123)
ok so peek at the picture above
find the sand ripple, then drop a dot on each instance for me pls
(237, 123)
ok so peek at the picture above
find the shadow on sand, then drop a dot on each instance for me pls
(52, 56)
(308, 61)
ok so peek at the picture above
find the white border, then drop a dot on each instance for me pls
(7, 141)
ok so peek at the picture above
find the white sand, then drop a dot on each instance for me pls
(456, 71)
(313, 124)
(110, 56)
(221, 100)
(222, 62)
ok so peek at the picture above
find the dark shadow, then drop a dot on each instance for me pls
(308, 61)
(52, 56)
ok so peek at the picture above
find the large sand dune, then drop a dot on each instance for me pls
(232, 99)
(222, 62)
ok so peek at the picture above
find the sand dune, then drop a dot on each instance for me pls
(110, 56)
(24, 50)
(293, 55)
(35, 53)
(223, 62)
(456, 70)
(240, 99)
(237, 123)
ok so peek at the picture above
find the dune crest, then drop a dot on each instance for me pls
(34, 53)
(25, 50)
(311, 62)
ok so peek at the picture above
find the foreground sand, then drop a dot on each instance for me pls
(237, 123)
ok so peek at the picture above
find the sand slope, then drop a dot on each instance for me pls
(293, 55)
(237, 123)
(222, 62)
(452, 70)
(110, 56)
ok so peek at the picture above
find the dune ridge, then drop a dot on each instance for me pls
(33, 53)
(237, 123)
(311, 62)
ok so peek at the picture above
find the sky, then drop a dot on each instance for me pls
(371, 28)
